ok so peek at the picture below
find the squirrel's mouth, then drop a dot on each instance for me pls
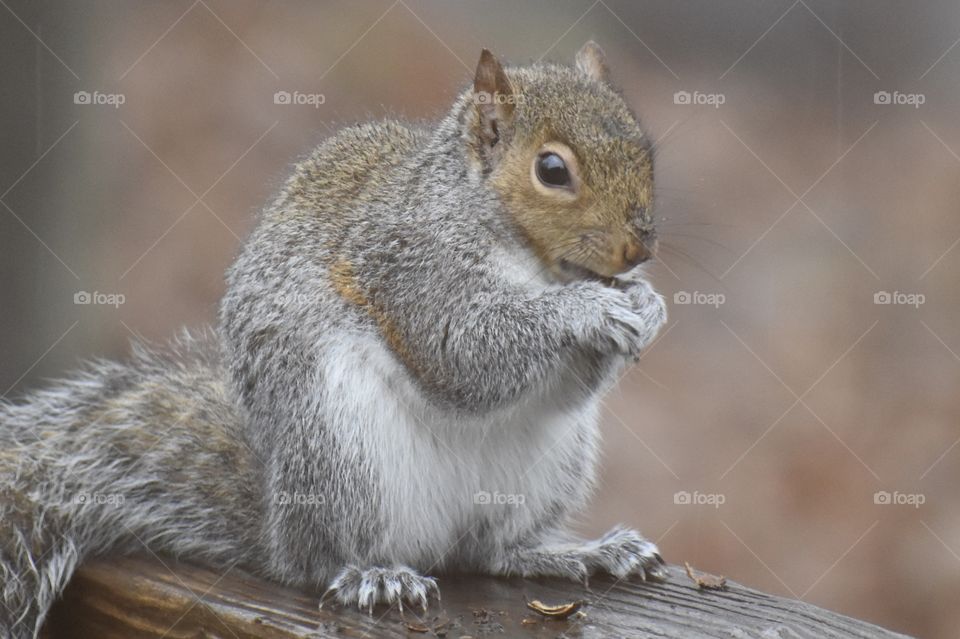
(571, 271)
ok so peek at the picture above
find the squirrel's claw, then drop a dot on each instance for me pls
(369, 587)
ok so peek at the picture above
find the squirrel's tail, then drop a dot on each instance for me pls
(122, 457)
(37, 553)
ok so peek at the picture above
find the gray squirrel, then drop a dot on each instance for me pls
(406, 378)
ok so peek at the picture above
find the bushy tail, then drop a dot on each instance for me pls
(38, 552)
(121, 457)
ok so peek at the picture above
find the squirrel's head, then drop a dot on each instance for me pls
(568, 160)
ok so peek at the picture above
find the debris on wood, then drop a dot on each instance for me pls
(706, 581)
(440, 626)
(561, 611)
(413, 625)
(486, 622)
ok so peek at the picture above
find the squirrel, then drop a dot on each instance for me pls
(405, 378)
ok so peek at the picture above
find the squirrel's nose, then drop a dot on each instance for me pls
(634, 252)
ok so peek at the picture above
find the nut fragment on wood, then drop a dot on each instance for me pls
(561, 611)
(706, 581)
(441, 626)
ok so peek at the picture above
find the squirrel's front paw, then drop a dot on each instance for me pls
(631, 318)
(650, 305)
(371, 586)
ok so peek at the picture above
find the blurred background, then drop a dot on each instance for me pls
(796, 427)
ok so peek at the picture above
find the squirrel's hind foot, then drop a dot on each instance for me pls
(368, 587)
(621, 553)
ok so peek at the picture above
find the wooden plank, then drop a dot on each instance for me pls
(136, 597)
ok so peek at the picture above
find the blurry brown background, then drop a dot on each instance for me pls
(794, 202)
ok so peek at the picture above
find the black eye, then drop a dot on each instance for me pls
(552, 170)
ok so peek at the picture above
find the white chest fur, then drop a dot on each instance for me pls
(442, 476)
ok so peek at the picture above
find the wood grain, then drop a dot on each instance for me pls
(137, 597)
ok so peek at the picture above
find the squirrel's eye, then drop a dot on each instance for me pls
(552, 170)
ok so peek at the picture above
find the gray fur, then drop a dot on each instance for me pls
(389, 350)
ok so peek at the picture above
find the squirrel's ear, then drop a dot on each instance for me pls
(493, 96)
(592, 61)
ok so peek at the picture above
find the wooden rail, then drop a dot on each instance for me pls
(134, 597)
